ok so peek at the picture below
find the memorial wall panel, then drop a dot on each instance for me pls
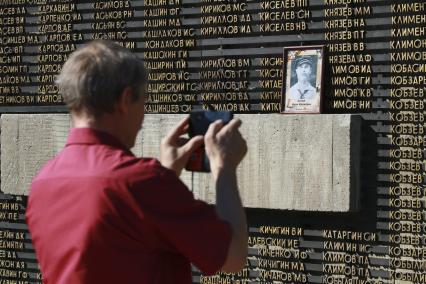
(228, 55)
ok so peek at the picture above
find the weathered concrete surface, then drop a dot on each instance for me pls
(27, 142)
(296, 162)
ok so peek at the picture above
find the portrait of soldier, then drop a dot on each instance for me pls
(302, 89)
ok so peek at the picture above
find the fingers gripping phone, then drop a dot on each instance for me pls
(199, 122)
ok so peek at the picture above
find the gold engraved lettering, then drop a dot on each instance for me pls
(351, 80)
(11, 59)
(47, 89)
(410, 129)
(408, 92)
(49, 68)
(225, 63)
(409, 32)
(287, 277)
(4, 263)
(271, 73)
(349, 235)
(109, 25)
(407, 178)
(347, 11)
(9, 90)
(407, 116)
(170, 76)
(244, 107)
(406, 215)
(224, 74)
(173, 43)
(406, 203)
(347, 270)
(288, 231)
(284, 26)
(283, 4)
(55, 28)
(59, 18)
(350, 104)
(57, 48)
(408, 165)
(9, 11)
(352, 69)
(269, 84)
(268, 241)
(62, 37)
(161, 65)
(13, 69)
(344, 23)
(225, 85)
(408, 7)
(345, 35)
(111, 5)
(347, 247)
(342, 257)
(406, 153)
(45, 98)
(224, 8)
(274, 61)
(226, 30)
(270, 107)
(271, 95)
(113, 15)
(409, 19)
(408, 68)
(353, 93)
(407, 190)
(57, 8)
(15, 80)
(280, 265)
(409, 43)
(7, 254)
(405, 227)
(169, 33)
(11, 30)
(229, 96)
(407, 104)
(346, 47)
(152, 108)
(11, 245)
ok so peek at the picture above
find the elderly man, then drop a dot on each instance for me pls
(97, 214)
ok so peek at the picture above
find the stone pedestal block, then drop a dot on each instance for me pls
(294, 162)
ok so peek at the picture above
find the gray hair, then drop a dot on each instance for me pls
(95, 75)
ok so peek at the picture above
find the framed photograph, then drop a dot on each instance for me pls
(302, 79)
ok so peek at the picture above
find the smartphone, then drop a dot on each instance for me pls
(199, 122)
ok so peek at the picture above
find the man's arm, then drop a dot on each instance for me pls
(226, 148)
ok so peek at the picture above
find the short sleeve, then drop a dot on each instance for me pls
(191, 226)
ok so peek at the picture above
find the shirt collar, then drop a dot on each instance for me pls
(93, 136)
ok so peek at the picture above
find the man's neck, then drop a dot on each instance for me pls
(303, 84)
(104, 123)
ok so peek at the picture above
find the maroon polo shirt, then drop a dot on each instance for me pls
(97, 214)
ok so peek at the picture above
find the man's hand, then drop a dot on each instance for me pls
(176, 150)
(225, 146)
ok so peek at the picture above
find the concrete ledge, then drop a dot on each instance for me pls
(295, 162)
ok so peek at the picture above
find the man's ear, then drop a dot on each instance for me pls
(124, 101)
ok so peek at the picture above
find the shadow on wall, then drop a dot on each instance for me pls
(362, 220)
